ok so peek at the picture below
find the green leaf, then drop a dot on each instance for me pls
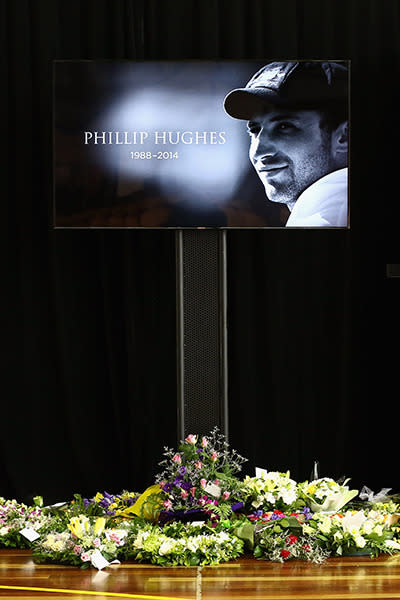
(284, 522)
(245, 532)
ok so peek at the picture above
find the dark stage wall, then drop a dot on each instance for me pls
(89, 383)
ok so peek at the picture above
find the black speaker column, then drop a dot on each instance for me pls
(201, 331)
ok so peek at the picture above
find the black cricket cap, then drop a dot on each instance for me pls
(302, 85)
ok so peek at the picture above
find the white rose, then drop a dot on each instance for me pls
(367, 527)
(166, 547)
(360, 541)
(270, 498)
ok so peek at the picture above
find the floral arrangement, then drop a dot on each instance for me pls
(96, 541)
(201, 476)
(84, 542)
(280, 537)
(270, 490)
(186, 544)
(270, 515)
(284, 546)
(16, 517)
(326, 494)
(352, 532)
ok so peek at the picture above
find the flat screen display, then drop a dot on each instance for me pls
(200, 144)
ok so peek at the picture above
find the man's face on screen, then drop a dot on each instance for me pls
(290, 151)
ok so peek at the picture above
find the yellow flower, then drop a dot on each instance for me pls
(79, 525)
(311, 489)
(308, 529)
(325, 525)
(99, 526)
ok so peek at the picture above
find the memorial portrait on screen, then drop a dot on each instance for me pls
(297, 114)
(176, 144)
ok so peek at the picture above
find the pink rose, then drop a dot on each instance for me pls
(85, 557)
(167, 504)
(177, 459)
(198, 464)
(204, 442)
(203, 483)
(226, 495)
(184, 494)
(193, 491)
(191, 439)
(114, 537)
(214, 456)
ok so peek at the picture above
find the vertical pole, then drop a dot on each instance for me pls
(202, 367)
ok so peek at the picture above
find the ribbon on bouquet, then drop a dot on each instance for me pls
(370, 496)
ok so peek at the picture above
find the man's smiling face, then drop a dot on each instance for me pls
(290, 151)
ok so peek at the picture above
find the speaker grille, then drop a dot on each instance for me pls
(202, 314)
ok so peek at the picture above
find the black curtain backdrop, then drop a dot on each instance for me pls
(89, 378)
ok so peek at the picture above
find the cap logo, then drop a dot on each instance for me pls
(271, 77)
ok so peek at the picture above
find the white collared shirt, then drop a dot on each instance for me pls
(323, 204)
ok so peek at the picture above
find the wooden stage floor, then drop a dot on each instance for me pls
(248, 579)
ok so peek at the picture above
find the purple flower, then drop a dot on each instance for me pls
(186, 485)
(307, 513)
(182, 470)
(274, 517)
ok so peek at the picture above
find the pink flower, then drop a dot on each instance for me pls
(177, 459)
(114, 537)
(193, 491)
(191, 439)
(162, 483)
(203, 483)
(85, 557)
(184, 494)
(201, 502)
(167, 504)
(198, 464)
(204, 442)
(96, 542)
(226, 495)
(77, 549)
(214, 456)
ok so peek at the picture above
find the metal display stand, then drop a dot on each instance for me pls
(201, 331)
